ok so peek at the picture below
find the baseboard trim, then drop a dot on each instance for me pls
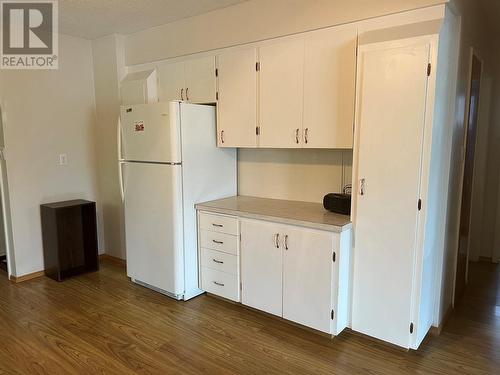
(118, 261)
(29, 276)
(436, 331)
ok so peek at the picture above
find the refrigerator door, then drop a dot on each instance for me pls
(150, 133)
(153, 223)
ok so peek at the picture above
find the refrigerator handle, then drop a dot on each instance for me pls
(120, 176)
(119, 138)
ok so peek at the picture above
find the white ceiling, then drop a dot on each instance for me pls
(95, 18)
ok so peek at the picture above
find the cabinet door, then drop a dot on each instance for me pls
(281, 89)
(261, 266)
(133, 92)
(329, 87)
(172, 83)
(307, 277)
(237, 99)
(200, 80)
(391, 111)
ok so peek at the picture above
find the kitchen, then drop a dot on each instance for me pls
(285, 254)
(263, 185)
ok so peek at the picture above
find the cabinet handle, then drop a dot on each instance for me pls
(218, 242)
(187, 94)
(285, 241)
(222, 136)
(297, 136)
(219, 284)
(218, 261)
(277, 240)
(182, 94)
(306, 135)
(218, 225)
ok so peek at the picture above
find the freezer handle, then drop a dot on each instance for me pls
(120, 176)
(119, 138)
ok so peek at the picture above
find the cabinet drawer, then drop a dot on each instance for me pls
(218, 223)
(220, 283)
(219, 241)
(219, 261)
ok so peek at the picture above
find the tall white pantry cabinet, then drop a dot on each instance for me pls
(401, 160)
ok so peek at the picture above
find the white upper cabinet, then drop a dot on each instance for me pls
(329, 87)
(307, 277)
(281, 90)
(139, 88)
(200, 80)
(172, 83)
(191, 81)
(261, 266)
(237, 98)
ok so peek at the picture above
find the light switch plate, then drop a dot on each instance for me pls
(63, 159)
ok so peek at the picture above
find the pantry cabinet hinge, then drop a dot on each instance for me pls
(429, 69)
(257, 130)
(332, 314)
(257, 66)
(419, 205)
(334, 256)
(411, 327)
(241, 286)
(217, 96)
(216, 72)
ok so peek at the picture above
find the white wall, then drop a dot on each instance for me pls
(473, 34)
(302, 175)
(253, 21)
(48, 112)
(108, 71)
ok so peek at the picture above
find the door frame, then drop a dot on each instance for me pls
(5, 198)
(472, 53)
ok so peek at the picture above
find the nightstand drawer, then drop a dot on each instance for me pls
(219, 241)
(219, 261)
(220, 283)
(218, 223)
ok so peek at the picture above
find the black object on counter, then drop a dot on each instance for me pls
(69, 231)
(338, 203)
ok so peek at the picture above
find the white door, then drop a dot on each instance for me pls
(307, 277)
(391, 107)
(153, 224)
(200, 80)
(172, 82)
(237, 98)
(281, 90)
(150, 132)
(261, 266)
(329, 87)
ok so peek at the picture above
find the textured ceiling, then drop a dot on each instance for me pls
(95, 18)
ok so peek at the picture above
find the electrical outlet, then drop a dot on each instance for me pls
(63, 159)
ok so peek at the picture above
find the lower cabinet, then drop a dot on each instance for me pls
(297, 273)
(261, 266)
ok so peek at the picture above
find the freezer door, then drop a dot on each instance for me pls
(153, 225)
(151, 133)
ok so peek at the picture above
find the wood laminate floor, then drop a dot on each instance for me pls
(102, 323)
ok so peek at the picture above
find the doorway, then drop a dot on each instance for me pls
(6, 259)
(468, 175)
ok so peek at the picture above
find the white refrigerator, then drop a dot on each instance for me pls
(168, 162)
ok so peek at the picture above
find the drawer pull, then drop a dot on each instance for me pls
(218, 242)
(218, 225)
(218, 261)
(219, 284)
